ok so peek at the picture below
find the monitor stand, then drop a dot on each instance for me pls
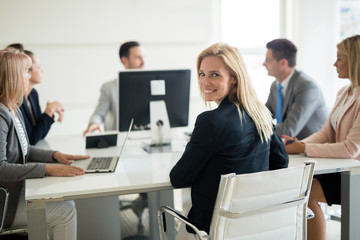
(160, 129)
(157, 148)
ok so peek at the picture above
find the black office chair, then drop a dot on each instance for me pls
(13, 233)
(137, 206)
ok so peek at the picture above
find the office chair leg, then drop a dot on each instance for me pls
(141, 228)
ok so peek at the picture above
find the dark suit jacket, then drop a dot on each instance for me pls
(304, 109)
(36, 130)
(14, 166)
(222, 143)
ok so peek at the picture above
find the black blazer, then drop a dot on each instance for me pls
(36, 130)
(222, 143)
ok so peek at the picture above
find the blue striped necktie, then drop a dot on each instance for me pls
(279, 104)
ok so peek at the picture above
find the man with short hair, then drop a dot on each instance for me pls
(132, 57)
(295, 100)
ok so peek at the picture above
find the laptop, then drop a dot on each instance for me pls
(102, 164)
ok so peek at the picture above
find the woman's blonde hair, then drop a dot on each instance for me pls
(350, 47)
(242, 94)
(13, 66)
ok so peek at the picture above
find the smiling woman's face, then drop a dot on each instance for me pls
(214, 79)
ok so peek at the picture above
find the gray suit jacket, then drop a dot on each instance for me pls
(14, 162)
(304, 110)
(106, 110)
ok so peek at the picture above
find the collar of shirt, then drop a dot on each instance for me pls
(285, 83)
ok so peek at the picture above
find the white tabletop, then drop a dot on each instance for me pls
(325, 165)
(137, 171)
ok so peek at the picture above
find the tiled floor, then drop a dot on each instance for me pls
(333, 228)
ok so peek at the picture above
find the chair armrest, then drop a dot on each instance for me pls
(162, 222)
(6, 194)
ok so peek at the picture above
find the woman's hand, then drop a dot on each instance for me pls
(66, 158)
(54, 107)
(292, 145)
(63, 170)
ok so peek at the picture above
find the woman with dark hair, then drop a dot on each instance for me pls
(38, 123)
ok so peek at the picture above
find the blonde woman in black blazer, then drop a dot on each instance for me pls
(16, 153)
(235, 137)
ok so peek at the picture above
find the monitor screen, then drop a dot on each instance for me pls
(138, 88)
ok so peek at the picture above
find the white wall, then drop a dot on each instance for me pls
(77, 43)
(316, 32)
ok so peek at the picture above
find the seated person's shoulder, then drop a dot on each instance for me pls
(342, 90)
(304, 80)
(34, 92)
(110, 84)
(218, 116)
(5, 114)
(206, 116)
(210, 118)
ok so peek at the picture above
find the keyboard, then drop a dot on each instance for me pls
(100, 163)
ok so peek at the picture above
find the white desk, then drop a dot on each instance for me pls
(138, 171)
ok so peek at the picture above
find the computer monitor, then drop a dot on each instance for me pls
(138, 88)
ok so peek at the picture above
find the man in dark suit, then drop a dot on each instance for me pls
(295, 100)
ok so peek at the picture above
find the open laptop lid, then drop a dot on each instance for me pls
(126, 137)
(116, 159)
(86, 163)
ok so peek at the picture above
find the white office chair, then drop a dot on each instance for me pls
(263, 205)
(13, 232)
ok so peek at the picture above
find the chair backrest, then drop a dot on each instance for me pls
(264, 205)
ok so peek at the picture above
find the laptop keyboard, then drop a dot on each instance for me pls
(99, 163)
